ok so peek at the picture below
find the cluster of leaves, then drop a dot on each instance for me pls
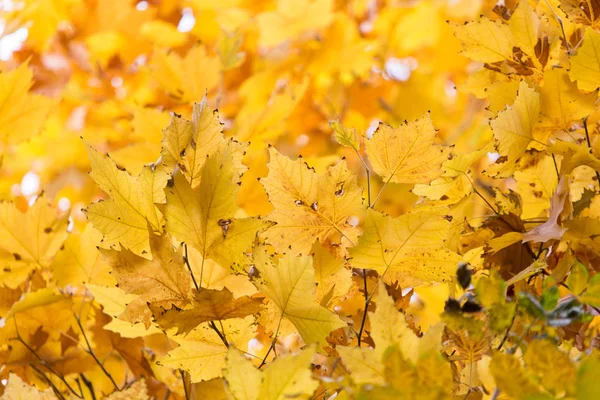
(395, 260)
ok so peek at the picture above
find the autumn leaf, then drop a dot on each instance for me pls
(130, 215)
(162, 280)
(208, 305)
(475, 44)
(29, 240)
(311, 207)
(189, 144)
(288, 282)
(205, 217)
(22, 113)
(513, 128)
(585, 65)
(411, 243)
(407, 154)
(244, 382)
(186, 78)
(202, 352)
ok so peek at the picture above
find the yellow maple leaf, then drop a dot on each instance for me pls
(585, 65)
(476, 45)
(389, 330)
(188, 144)
(412, 243)
(129, 216)
(208, 305)
(291, 19)
(28, 240)
(244, 382)
(79, 261)
(455, 182)
(187, 78)
(524, 24)
(22, 113)
(561, 103)
(204, 217)
(202, 352)
(513, 129)
(162, 280)
(407, 154)
(289, 283)
(311, 207)
(582, 12)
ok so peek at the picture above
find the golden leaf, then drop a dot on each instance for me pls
(411, 243)
(513, 128)
(161, 281)
(22, 114)
(208, 305)
(129, 216)
(476, 45)
(311, 207)
(407, 154)
(288, 283)
(585, 65)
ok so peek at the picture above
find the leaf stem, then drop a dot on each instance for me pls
(89, 385)
(44, 362)
(264, 360)
(186, 260)
(368, 173)
(562, 28)
(50, 383)
(587, 138)
(91, 353)
(367, 301)
(221, 334)
(185, 389)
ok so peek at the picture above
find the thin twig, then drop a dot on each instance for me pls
(555, 167)
(186, 260)
(562, 28)
(44, 362)
(91, 353)
(368, 173)
(367, 301)
(221, 334)
(185, 389)
(587, 138)
(49, 382)
(89, 385)
(264, 360)
(507, 331)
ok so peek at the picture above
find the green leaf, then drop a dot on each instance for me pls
(578, 279)
(345, 137)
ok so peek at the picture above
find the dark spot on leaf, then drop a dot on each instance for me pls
(47, 230)
(17, 256)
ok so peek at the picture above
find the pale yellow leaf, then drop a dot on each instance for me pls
(311, 207)
(130, 215)
(407, 154)
(585, 65)
(290, 284)
(485, 40)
